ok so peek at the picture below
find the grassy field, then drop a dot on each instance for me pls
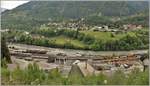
(62, 40)
(106, 35)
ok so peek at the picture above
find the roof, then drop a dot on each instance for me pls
(11, 67)
(81, 69)
(47, 66)
(85, 68)
(22, 63)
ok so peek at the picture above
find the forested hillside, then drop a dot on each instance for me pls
(35, 13)
(140, 18)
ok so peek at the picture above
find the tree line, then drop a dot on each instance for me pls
(128, 42)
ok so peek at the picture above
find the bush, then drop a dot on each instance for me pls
(32, 75)
(5, 76)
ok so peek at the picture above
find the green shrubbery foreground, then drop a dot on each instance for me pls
(32, 75)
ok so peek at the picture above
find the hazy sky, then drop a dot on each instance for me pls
(11, 4)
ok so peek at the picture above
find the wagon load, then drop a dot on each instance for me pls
(36, 51)
(39, 57)
(28, 59)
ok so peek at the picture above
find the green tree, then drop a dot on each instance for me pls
(4, 51)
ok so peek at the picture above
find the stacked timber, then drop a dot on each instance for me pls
(39, 57)
(20, 54)
(36, 51)
(28, 59)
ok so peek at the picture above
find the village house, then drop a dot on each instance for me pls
(11, 67)
(97, 28)
(4, 30)
(100, 28)
(26, 32)
(129, 27)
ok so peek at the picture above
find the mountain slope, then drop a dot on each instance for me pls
(138, 19)
(2, 10)
(35, 13)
